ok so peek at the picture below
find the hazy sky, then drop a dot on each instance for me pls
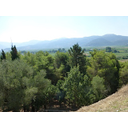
(21, 29)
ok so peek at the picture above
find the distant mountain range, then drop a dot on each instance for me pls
(91, 41)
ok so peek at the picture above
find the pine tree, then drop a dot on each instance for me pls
(105, 66)
(76, 87)
(77, 58)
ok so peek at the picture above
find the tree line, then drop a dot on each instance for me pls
(29, 81)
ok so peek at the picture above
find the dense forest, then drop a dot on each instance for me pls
(32, 81)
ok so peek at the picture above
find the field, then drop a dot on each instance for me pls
(120, 52)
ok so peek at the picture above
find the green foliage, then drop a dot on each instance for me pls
(21, 87)
(14, 53)
(105, 66)
(42, 60)
(61, 50)
(77, 58)
(98, 88)
(12, 85)
(108, 49)
(8, 56)
(40, 79)
(49, 94)
(3, 56)
(75, 87)
(61, 63)
(124, 73)
(42, 85)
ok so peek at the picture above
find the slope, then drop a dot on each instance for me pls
(117, 102)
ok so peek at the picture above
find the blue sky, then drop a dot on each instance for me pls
(26, 28)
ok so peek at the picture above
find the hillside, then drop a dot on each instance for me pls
(117, 102)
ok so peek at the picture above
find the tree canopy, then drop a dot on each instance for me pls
(32, 81)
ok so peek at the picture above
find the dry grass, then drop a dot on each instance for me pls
(117, 102)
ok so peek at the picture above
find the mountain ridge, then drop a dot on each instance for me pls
(91, 41)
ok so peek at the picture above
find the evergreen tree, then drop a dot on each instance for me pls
(61, 63)
(124, 73)
(77, 58)
(104, 65)
(14, 53)
(98, 88)
(76, 87)
(3, 56)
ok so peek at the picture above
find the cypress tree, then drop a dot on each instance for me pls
(14, 53)
(3, 56)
